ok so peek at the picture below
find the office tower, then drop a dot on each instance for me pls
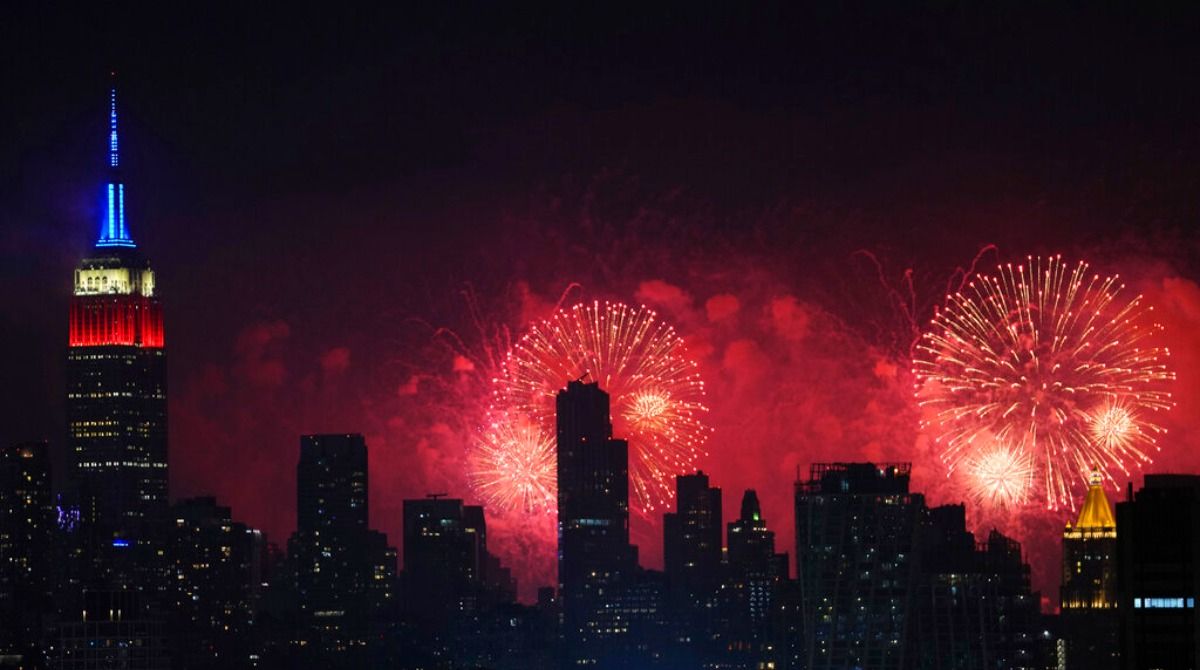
(754, 577)
(116, 392)
(1158, 573)
(1089, 584)
(448, 570)
(594, 554)
(753, 562)
(218, 574)
(342, 569)
(692, 541)
(973, 607)
(856, 531)
(114, 628)
(27, 530)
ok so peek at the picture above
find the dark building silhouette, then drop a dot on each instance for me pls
(217, 566)
(973, 607)
(594, 554)
(1158, 573)
(754, 577)
(344, 572)
(27, 549)
(1089, 584)
(454, 588)
(692, 541)
(753, 562)
(857, 530)
(448, 571)
(116, 397)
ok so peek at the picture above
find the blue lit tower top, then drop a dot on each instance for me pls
(112, 227)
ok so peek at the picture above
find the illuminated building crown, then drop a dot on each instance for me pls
(1096, 512)
(113, 232)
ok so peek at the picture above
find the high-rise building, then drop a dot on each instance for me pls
(343, 570)
(752, 558)
(973, 607)
(116, 388)
(1158, 574)
(856, 531)
(217, 566)
(692, 541)
(1089, 584)
(27, 529)
(455, 592)
(754, 578)
(448, 570)
(594, 554)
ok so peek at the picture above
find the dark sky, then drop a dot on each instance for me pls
(320, 180)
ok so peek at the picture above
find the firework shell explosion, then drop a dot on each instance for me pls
(513, 464)
(999, 477)
(1047, 365)
(656, 397)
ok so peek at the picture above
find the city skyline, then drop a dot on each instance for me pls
(422, 235)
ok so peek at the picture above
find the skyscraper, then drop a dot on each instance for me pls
(217, 566)
(754, 577)
(973, 607)
(594, 554)
(447, 567)
(753, 563)
(1158, 574)
(692, 541)
(116, 384)
(856, 531)
(343, 569)
(1089, 583)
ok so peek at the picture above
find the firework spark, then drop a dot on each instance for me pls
(655, 388)
(1035, 358)
(1000, 477)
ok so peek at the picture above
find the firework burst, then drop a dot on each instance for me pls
(999, 477)
(514, 465)
(1052, 363)
(655, 389)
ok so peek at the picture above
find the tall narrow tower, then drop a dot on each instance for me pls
(594, 554)
(116, 380)
(1089, 584)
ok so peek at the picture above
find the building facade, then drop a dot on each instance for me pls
(856, 536)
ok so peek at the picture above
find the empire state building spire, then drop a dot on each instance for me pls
(112, 227)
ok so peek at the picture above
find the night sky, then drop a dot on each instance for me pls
(347, 210)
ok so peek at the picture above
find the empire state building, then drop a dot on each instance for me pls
(116, 380)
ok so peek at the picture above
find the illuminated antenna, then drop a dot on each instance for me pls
(113, 154)
(112, 227)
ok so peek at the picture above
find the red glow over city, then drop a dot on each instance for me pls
(965, 246)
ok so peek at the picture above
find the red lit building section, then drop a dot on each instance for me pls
(116, 319)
